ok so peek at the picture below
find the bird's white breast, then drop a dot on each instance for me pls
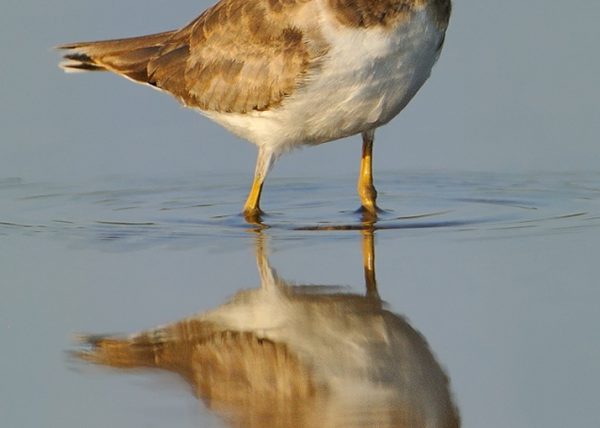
(367, 77)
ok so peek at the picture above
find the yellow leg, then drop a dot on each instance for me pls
(366, 190)
(252, 211)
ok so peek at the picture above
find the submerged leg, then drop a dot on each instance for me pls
(252, 209)
(365, 187)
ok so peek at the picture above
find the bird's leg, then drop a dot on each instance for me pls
(365, 187)
(252, 211)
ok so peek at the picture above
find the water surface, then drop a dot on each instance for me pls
(497, 273)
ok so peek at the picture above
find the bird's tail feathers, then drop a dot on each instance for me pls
(127, 57)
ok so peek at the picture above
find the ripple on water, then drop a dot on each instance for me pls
(183, 211)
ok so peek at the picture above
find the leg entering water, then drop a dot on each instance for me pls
(365, 187)
(252, 211)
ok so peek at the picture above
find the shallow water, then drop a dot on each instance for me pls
(498, 273)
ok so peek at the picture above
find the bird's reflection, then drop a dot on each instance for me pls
(286, 355)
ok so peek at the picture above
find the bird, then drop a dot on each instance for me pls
(291, 355)
(284, 74)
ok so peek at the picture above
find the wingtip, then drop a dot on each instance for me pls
(69, 46)
(77, 61)
(70, 69)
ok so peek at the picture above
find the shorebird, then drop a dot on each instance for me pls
(287, 73)
(285, 355)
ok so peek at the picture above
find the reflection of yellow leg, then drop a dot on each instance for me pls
(368, 245)
(252, 210)
(268, 276)
(365, 187)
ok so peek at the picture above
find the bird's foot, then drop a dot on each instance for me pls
(369, 213)
(253, 216)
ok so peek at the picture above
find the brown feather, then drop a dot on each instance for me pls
(239, 55)
(128, 57)
(242, 55)
(370, 13)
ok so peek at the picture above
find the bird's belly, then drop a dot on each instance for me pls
(347, 105)
(370, 76)
(367, 78)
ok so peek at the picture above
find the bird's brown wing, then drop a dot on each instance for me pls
(238, 56)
